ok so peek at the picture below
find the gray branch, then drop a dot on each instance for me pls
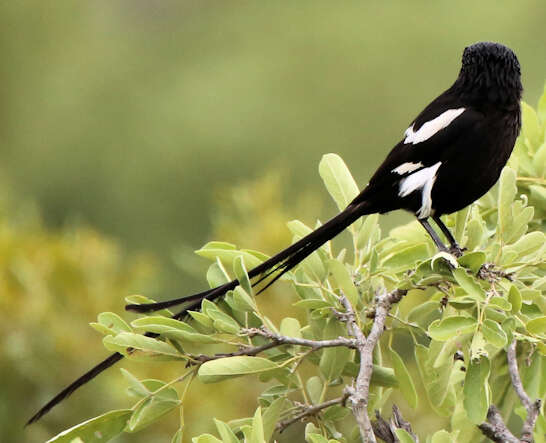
(310, 411)
(276, 340)
(532, 407)
(358, 395)
(313, 344)
(495, 429)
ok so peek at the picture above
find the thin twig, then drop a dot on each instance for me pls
(532, 407)
(310, 410)
(313, 344)
(276, 340)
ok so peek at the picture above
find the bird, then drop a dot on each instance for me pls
(451, 154)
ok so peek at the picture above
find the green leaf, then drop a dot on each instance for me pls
(473, 261)
(404, 436)
(314, 388)
(476, 390)
(541, 109)
(227, 254)
(530, 128)
(382, 376)
(257, 435)
(406, 385)
(537, 325)
(494, 334)
(271, 416)
(177, 437)
(240, 272)
(221, 321)
(315, 438)
(217, 370)
(369, 232)
(333, 360)
(110, 323)
(477, 347)
(514, 297)
(290, 327)
(442, 330)
(99, 429)
(507, 193)
(406, 257)
(136, 387)
(153, 408)
(527, 244)
(469, 284)
(500, 303)
(171, 328)
(336, 413)
(338, 180)
(227, 435)
(312, 303)
(148, 347)
(202, 319)
(436, 381)
(217, 275)
(343, 279)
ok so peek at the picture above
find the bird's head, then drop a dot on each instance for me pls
(490, 72)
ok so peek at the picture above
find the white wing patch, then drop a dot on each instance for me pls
(404, 168)
(423, 179)
(431, 127)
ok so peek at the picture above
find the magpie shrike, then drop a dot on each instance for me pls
(451, 154)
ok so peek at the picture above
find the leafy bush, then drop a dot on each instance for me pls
(382, 304)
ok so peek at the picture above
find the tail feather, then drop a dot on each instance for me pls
(282, 262)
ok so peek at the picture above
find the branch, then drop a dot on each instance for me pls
(532, 407)
(313, 344)
(276, 340)
(311, 410)
(496, 430)
(358, 395)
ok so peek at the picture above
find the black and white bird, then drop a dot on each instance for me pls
(451, 154)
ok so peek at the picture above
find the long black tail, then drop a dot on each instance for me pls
(278, 265)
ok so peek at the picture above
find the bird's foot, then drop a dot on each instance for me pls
(449, 258)
(456, 250)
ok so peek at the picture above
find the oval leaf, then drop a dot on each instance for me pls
(217, 370)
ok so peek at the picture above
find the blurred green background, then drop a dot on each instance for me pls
(131, 132)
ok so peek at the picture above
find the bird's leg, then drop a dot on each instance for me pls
(454, 248)
(433, 235)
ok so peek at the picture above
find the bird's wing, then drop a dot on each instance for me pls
(437, 134)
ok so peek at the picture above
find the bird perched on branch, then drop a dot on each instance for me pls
(451, 154)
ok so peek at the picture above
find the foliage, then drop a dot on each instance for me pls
(458, 318)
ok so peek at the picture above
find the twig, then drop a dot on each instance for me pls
(532, 407)
(496, 430)
(276, 340)
(313, 344)
(358, 395)
(310, 410)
